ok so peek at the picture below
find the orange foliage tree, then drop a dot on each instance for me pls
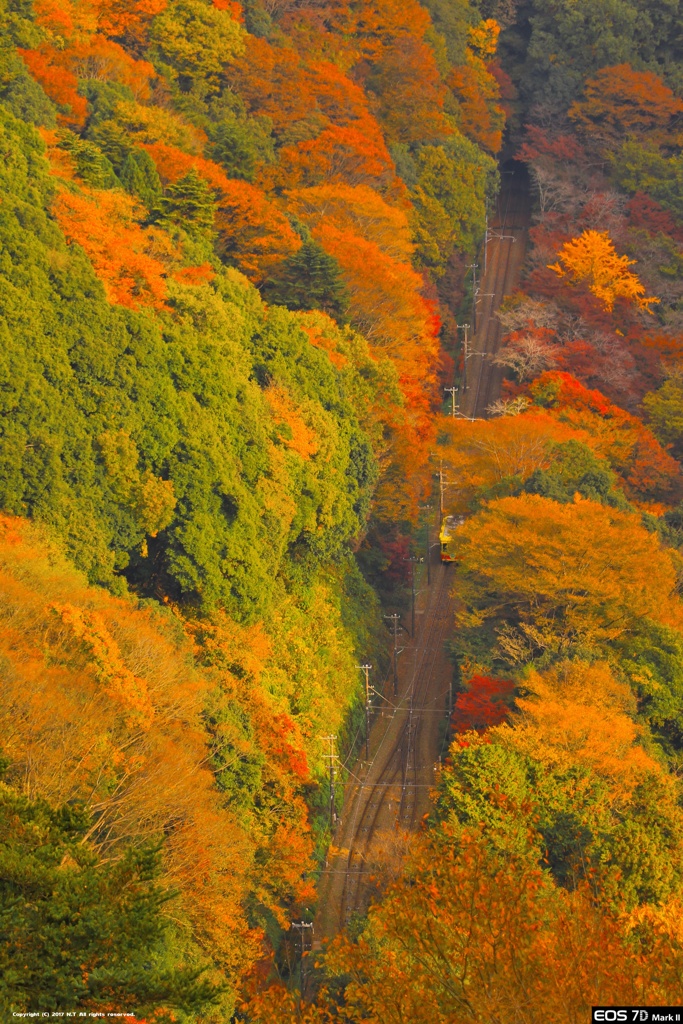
(476, 929)
(481, 454)
(477, 90)
(252, 231)
(620, 102)
(474, 935)
(129, 19)
(375, 25)
(389, 46)
(131, 261)
(60, 84)
(386, 306)
(359, 209)
(299, 437)
(106, 704)
(354, 154)
(74, 49)
(103, 706)
(578, 713)
(409, 92)
(272, 81)
(65, 20)
(385, 301)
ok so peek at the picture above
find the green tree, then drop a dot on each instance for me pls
(630, 850)
(103, 99)
(553, 47)
(575, 469)
(651, 659)
(134, 167)
(454, 181)
(240, 144)
(77, 933)
(20, 93)
(192, 41)
(218, 500)
(90, 162)
(139, 176)
(639, 168)
(189, 202)
(452, 20)
(664, 409)
(310, 279)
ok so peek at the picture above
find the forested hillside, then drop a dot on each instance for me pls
(549, 876)
(234, 240)
(237, 240)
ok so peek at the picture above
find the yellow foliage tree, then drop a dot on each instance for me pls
(592, 258)
(578, 713)
(297, 435)
(482, 453)
(550, 577)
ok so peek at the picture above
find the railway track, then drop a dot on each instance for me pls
(387, 797)
(503, 258)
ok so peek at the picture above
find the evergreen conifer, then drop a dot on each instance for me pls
(310, 279)
(189, 202)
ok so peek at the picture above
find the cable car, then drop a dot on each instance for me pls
(449, 526)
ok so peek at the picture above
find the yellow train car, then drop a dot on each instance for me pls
(449, 527)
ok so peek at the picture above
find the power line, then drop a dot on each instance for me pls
(366, 669)
(331, 757)
(412, 559)
(395, 620)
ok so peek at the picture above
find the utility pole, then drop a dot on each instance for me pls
(428, 508)
(473, 268)
(413, 559)
(331, 757)
(441, 487)
(395, 620)
(366, 669)
(465, 356)
(301, 927)
(486, 242)
(453, 392)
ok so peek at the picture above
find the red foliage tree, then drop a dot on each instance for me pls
(649, 472)
(485, 703)
(647, 215)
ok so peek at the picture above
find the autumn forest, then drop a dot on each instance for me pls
(245, 374)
